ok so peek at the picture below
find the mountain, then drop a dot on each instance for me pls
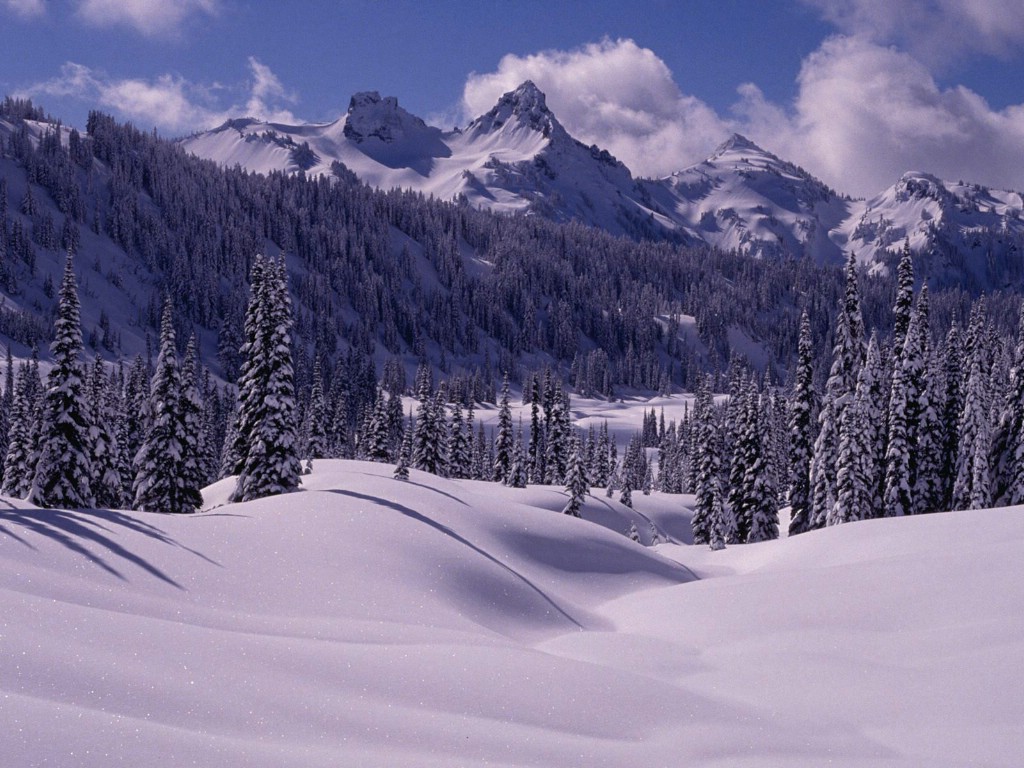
(515, 158)
(965, 234)
(518, 158)
(746, 199)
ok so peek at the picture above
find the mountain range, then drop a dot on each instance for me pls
(518, 158)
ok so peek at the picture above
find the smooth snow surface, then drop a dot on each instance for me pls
(366, 621)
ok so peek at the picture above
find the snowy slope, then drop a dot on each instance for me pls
(746, 199)
(515, 158)
(956, 227)
(369, 622)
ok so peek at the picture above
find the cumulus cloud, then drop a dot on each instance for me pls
(864, 113)
(26, 9)
(169, 102)
(150, 17)
(933, 31)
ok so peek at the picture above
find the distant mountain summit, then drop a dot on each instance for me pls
(518, 158)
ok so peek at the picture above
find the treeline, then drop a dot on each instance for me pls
(396, 274)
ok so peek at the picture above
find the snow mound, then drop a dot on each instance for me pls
(373, 622)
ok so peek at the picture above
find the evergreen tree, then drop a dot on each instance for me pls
(18, 466)
(707, 462)
(577, 485)
(856, 466)
(191, 473)
(801, 431)
(459, 459)
(974, 435)
(518, 471)
(158, 482)
(504, 440)
(107, 483)
(761, 503)
(267, 391)
(316, 416)
(404, 452)
(63, 475)
(847, 355)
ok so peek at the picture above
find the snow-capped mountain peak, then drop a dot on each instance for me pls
(526, 106)
(737, 143)
(370, 116)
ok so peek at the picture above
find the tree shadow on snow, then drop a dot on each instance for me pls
(414, 515)
(75, 529)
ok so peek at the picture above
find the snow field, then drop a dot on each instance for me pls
(366, 621)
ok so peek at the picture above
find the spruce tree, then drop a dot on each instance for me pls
(577, 484)
(267, 392)
(63, 475)
(157, 462)
(847, 356)
(107, 483)
(18, 467)
(191, 473)
(801, 430)
(315, 430)
(404, 452)
(856, 466)
(504, 439)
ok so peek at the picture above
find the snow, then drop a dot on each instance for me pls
(368, 621)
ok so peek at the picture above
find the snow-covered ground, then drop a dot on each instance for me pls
(365, 621)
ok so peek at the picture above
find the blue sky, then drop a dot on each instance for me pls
(857, 91)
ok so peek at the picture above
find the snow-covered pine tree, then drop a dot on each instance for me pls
(536, 447)
(973, 429)
(761, 503)
(376, 436)
(1007, 449)
(63, 473)
(577, 484)
(504, 438)
(191, 473)
(859, 446)
(459, 459)
(847, 356)
(157, 462)
(802, 410)
(633, 534)
(107, 483)
(950, 409)
(897, 500)
(928, 486)
(7, 400)
(442, 431)
(626, 494)
(271, 464)
(518, 471)
(902, 309)
(18, 469)
(706, 459)
(315, 430)
(404, 452)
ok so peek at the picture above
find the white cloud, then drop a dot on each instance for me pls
(864, 114)
(265, 93)
(150, 17)
(168, 102)
(26, 9)
(933, 31)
